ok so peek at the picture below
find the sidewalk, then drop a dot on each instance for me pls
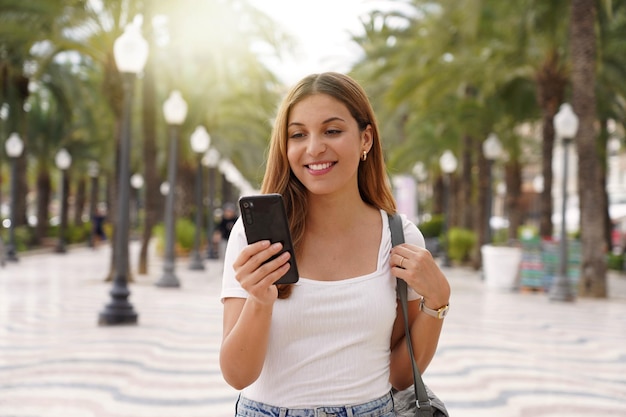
(501, 354)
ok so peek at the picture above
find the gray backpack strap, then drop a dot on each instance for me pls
(424, 407)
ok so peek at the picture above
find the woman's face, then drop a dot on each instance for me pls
(324, 144)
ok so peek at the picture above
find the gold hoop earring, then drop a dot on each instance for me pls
(364, 156)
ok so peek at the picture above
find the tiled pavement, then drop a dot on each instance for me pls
(501, 353)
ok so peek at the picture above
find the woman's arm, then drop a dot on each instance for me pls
(425, 331)
(246, 331)
(246, 322)
(416, 266)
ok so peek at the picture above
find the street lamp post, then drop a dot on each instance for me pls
(136, 181)
(566, 127)
(175, 111)
(93, 170)
(14, 147)
(448, 164)
(211, 160)
(131, 54)
(492, 149)
(63, 161)
(200, 142)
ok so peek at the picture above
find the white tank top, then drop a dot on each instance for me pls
(330, 340)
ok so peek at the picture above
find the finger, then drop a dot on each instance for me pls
(249, 251)
(267, 274)
(261, 255)
(266, 263)
(398, 260)
(270, 267)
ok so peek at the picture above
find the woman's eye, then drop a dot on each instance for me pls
(296, 135)
(333, 131)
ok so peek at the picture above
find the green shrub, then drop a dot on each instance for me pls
(615, 262)
(76, 234)
(23, 237)
(185, 234)
(500, 237)
(432, 227)
(462, 242)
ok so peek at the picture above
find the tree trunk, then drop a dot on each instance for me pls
(551, 81)
(21, 210)
(465, 191)
(44, 192)
(480, 221)
(583, 53)
(603, 140)
(20, 123)
(152, 197)
(114, 92)
(80, 201)
(513, 202)
(65, 204)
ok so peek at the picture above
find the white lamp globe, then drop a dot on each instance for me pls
(175, 108)
(131, 50)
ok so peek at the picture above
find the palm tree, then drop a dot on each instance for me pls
(24, 29)
(449, 74)
(610, 88)
(583, 57)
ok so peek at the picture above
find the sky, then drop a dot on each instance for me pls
(322, 29)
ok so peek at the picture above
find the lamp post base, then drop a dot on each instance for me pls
(196, 263)
(111, 317)
(168, 279)
(560, 290)
(119, 311)
(11, 255)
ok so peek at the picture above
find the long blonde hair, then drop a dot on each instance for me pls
(373, 183)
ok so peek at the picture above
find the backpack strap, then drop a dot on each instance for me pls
(424, 406)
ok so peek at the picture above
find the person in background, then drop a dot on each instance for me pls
(334, 342)
(229, 217)
(98, 225)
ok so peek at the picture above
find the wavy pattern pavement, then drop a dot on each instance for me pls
(501, 354)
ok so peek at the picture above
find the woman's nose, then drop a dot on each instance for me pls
(315, 145)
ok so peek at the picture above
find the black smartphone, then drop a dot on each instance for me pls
(264, 218)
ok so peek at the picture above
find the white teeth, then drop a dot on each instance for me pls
(319, 167)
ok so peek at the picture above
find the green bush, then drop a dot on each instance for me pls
(615, 262)
(432, 227)
(23, 237)
(462, 242)
(500, 236)
(185, 234)
(76, 234)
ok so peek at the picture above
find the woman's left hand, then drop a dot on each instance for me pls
(418, 268)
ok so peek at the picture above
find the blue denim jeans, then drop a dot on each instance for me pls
(381, 407)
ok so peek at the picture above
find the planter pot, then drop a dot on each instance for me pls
(501, 266)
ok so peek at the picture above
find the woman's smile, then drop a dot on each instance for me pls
(320, 168)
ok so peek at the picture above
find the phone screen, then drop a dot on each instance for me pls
(264, 218)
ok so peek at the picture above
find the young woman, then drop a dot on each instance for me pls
(333, 342)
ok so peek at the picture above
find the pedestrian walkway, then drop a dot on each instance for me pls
(501, 353)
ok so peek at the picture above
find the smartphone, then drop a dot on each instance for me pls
(264, 218)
